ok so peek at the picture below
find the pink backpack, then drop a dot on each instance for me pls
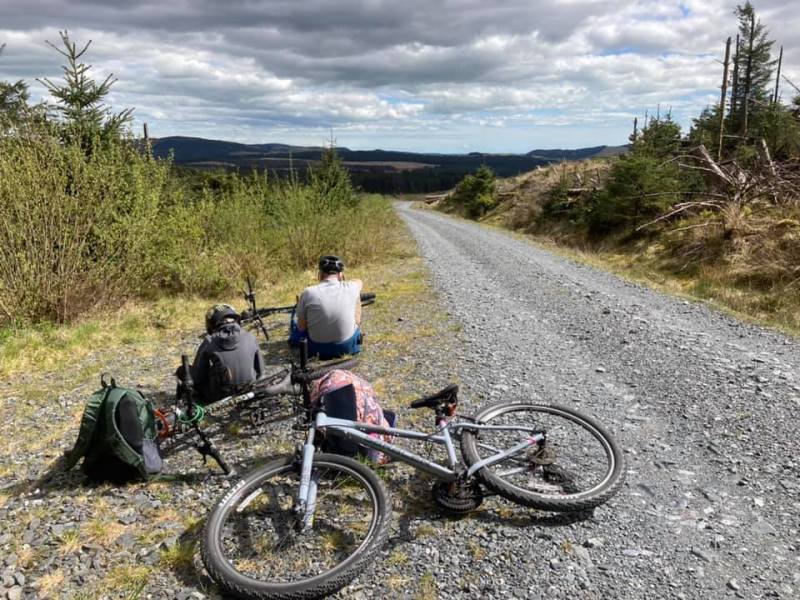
(368, 409)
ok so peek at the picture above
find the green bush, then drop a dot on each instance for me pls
(477, 193)
(74, 229)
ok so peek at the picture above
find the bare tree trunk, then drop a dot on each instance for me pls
(722, 97)
(748, 76)
(735, 86)
(778, 78)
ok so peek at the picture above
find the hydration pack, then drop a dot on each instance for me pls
(117, 437)
(345, 395)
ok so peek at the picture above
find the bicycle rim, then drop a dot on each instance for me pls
(579, 466)
(253, 545)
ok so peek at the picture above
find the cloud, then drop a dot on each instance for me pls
(387, 73)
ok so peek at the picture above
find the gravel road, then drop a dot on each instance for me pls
(705, 406)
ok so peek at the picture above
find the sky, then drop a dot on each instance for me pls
(416, 75)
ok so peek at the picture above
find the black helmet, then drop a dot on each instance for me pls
(331, 264)
(218, 314)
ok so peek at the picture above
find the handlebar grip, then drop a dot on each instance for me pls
(367, 298)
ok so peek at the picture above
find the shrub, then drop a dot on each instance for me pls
(477, 193)
(74, 229)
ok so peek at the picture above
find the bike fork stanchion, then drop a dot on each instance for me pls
(303, 495)
(311, 502)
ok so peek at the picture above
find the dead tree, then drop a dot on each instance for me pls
(778, 78)
(722, 97)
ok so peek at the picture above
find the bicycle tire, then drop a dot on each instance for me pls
(309, 376)
(246, 493)
(367, 298)
(535, 482)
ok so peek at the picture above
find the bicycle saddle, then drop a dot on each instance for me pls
(446, 395)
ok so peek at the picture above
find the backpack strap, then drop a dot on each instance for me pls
(91, 415)
(114, 437)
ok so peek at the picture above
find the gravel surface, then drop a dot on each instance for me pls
(705, 406)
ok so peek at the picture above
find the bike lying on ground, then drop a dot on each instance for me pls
(179, 423)
(303, 526)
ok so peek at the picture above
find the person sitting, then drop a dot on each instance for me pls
(228, 359)
(328, 314)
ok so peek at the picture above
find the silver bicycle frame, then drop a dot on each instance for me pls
(359, 433)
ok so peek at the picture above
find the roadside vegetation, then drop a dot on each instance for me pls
(713, 213)
(90, 220)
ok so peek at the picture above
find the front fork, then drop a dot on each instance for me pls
(306, 501)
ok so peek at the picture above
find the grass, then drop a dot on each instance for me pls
(50, 585)
(47, 362)
(70, 542)
(427, 589)
(776, 307)
(750, 277)
(127, 580)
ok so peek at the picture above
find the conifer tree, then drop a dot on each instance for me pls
(753, 69)
(84, 116)
(13, 102)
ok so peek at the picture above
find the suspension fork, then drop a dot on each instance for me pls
(307, 494)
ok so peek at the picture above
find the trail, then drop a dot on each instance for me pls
(705, 406)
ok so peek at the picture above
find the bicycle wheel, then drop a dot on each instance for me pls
(578, 467)
(252, 543)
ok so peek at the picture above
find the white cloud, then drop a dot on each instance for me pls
(421, 74)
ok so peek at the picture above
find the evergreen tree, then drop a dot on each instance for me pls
(330, 182)
(477, 192)
(14, 106)
(80, 98)
(754, 67)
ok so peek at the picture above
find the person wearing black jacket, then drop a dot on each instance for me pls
(228, 359)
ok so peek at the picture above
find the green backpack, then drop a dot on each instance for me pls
(117, 438)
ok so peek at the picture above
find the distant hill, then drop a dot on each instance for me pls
(382, 171)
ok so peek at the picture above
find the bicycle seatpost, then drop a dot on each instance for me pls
(304, 355)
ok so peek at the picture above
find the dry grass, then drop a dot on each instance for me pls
(744, 260)
(50, 585)
(427, 588)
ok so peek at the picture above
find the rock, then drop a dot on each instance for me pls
(126, 540)
(733, 584)
(600, 369)
(700, 553)
(14, 593)
(594, 542)
(582, 554)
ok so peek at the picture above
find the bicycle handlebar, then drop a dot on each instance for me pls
(248, 316)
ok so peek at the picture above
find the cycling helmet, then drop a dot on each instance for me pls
(217, 316)
(331, 264)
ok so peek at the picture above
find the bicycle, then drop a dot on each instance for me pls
(305, 525)
(179, 423)
(254, 315)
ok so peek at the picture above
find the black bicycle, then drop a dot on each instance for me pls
(254, 315)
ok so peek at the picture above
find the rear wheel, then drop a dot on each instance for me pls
(253, 545)
(578, 466)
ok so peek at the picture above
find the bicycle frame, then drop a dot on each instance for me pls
(359, 433)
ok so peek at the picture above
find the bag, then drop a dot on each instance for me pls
(347, 396)
(117, 436)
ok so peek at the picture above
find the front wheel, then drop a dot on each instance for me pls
(578, 465)
(254, 544)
